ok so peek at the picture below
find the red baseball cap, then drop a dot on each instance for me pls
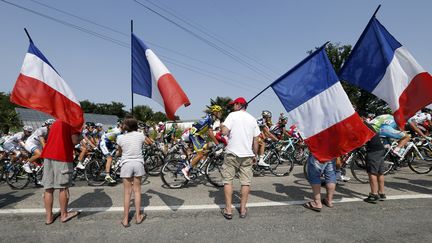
(239, 100)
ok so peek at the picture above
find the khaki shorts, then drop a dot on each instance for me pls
(233, 165)
(57, 174)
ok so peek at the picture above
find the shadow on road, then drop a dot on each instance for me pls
(97, 199)
(418, 186)
(292, 192)
(218, 196)
(11, 198)
(170, 201)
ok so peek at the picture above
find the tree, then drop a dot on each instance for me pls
(8, 117)
(222, 102)
(361, 99)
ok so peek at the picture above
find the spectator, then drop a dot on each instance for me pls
(58, 168)
(132, 168)
(375, 153)
(315, 169)
(243, 132)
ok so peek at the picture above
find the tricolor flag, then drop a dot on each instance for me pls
(381, 65)
(152, 79)
(315, 100)
(40, 87)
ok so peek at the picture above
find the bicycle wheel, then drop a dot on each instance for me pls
(418, 164)
(172, 175)
(4, 164)
(213, 172)
(93, 173)
(300, 154)
(16, 177)
(279, 167)
(153, 165)
(358, 168)
(145, 176)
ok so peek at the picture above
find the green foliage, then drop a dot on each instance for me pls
(8, 117)
(361, 99)
(146, 114)
(222, 102)
(115, 108)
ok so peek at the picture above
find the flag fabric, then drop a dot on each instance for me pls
(315, 100)
(40, 87)
(381, 65)
(151, 78)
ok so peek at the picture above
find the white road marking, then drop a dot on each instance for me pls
(205, 206)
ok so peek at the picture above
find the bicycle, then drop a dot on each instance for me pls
(172, 175)
(18, 178)
(278, 166)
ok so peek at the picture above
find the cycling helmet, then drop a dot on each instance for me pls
(215, 108)
(99, 124)
(28, 128)
(428, 117)
(48, 122)
(283, 118)
(266, 114)
(90, 124)
(160, 123)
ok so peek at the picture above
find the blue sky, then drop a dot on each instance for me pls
(274, 34)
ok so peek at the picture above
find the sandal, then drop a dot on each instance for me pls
(309, 205)
(326, 202)
(70, 216)
(125, 225)
(226, 215)
(243, 215)
(144, 216)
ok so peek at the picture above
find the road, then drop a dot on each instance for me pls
(192, 213)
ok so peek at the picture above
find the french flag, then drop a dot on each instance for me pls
(315, 100)
(152, 79)
(40, 87)
(381, 65)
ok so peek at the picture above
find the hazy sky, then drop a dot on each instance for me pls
(269, 36)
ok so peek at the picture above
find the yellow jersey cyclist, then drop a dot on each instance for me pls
(196, 133)
(386, 126)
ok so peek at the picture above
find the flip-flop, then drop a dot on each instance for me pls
(325, 202)
(55, 216)
(125, 225)
(144, 216)
(242, 216)
(73, 215)
(226, 215)
(308, 205)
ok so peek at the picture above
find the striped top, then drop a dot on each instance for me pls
(131, 145)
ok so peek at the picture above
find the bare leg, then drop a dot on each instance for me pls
(244, 198)
(36, 155)
(373, 181)
(137, 195)
(127, 186)
(381, 184)
(228, 190)
(330, 192)
(108, 165)
(48, 202)
(316, 190)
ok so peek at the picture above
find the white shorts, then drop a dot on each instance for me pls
(31, 147)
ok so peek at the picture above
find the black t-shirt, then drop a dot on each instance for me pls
(375, 143)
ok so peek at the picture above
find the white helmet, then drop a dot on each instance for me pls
(48, 122)
(428, 117)
(99, 124)
(28, 128)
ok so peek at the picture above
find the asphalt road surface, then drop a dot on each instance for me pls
(193, 214)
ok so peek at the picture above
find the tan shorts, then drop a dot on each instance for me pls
(241, 165)
(57, 174)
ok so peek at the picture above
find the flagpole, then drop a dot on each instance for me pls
(132, 71)
(290, 71)
(28, 35)
(376, 11)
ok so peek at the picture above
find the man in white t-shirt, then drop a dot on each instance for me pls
(243, 132)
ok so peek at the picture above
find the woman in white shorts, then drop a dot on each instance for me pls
(132, 167)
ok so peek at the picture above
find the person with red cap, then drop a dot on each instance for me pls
(242, 131)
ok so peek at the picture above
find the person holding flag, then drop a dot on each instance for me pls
(40, 87)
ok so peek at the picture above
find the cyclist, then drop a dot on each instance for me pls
(14, 143)
(196, 133)
(386, 126)
(160, 130)
(418, 122)
(87, 143)
(107, 146)
(264, 123)
(97, 133)
(279, 129)
(36, 142)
